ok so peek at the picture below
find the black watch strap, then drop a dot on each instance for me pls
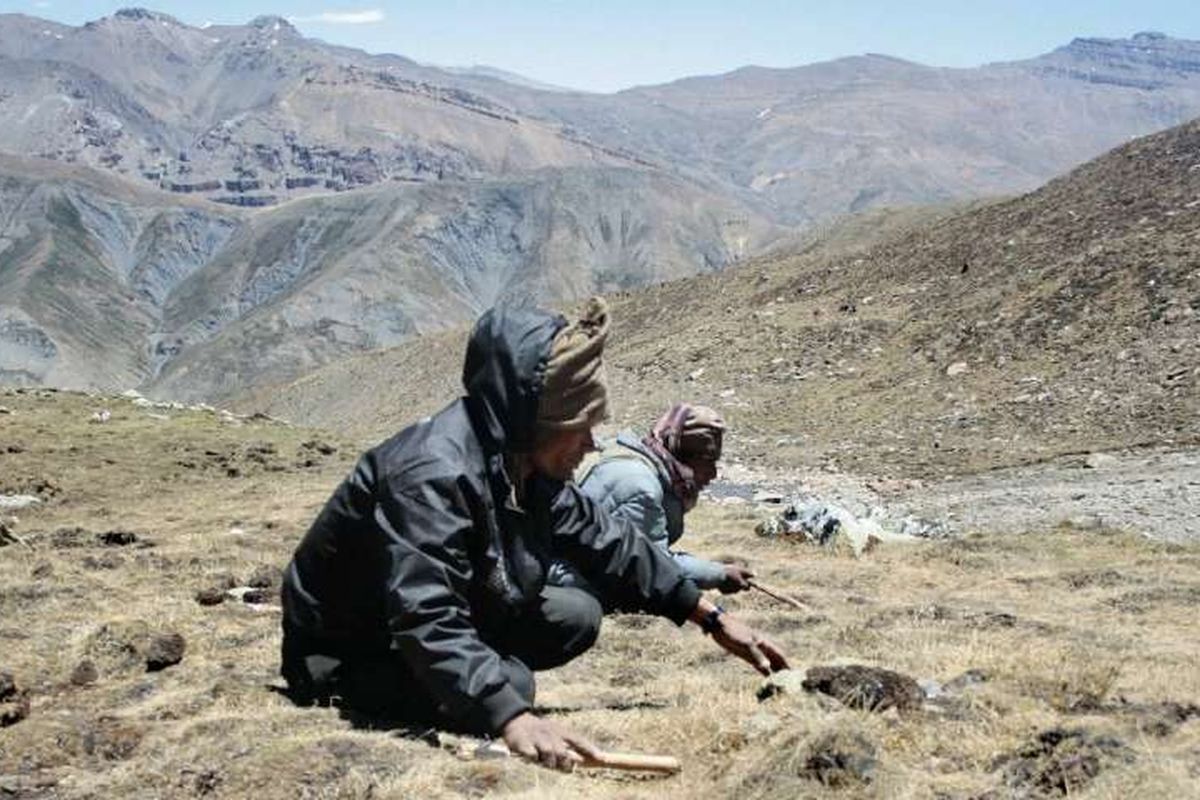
(711, 621)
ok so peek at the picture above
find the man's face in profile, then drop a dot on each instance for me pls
(559, 455)
(704, 469)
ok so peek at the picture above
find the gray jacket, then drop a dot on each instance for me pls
(631, 482)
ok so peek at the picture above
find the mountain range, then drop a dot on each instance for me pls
(197, 211)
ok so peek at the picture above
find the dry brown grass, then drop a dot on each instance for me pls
(1073, 629)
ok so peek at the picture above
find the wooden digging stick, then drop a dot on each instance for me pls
(633, 762)
(778, 595)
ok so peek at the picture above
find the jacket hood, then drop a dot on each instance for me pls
(504, 372)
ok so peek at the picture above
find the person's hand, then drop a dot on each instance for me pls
(547, 742)
(757, 651)
(737, 579)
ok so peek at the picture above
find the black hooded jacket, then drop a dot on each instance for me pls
(422, 550)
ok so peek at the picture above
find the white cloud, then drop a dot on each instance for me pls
(364, 17)
(42, 4)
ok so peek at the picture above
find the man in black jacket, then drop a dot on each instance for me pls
(420, 590)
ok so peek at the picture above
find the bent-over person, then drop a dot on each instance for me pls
(419, 593)
(654, 480)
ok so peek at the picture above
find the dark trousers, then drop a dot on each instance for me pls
(563, 624)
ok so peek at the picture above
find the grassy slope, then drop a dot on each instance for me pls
(1062, 321)
(1073, 629)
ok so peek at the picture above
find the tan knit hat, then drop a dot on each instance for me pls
(573, 392)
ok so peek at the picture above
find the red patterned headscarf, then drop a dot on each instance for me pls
(686, 432)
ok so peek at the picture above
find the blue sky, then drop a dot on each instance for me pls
(605, 45)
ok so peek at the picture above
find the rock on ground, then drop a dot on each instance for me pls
(867, 688)
(165, 651)
(14, 702)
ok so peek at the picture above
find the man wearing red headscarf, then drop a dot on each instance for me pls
(654, 480)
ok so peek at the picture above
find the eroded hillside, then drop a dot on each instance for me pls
(1062, 321)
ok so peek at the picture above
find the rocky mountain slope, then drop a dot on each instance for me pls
(1061, 321)
(86, 261)
(112, 285)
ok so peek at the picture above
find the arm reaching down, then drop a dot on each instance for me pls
(739, 639)
(629, 571)
(628, 489)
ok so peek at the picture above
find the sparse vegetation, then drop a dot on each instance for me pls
(1074, 651)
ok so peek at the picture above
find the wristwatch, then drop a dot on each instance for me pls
(711, 622)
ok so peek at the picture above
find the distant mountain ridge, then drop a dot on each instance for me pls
(201, 210)
(256, 114)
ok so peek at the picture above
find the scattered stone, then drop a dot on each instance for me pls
(840, 758)
(265, 577)
(922, 528)
(1059, 763)
(957, 368)
(117, 538)
(101, 416)
(212, 596)
(5, 410)
(42, 571)
(18, 502)
(84, 674)
(324, 448)
(14, 701)
(165, 651)
(1100, 461)
(258, 597)
(867, 688)
(31, 787)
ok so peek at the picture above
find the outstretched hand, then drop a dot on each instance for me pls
(737, 579)
(547, 742)
(757, 651)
